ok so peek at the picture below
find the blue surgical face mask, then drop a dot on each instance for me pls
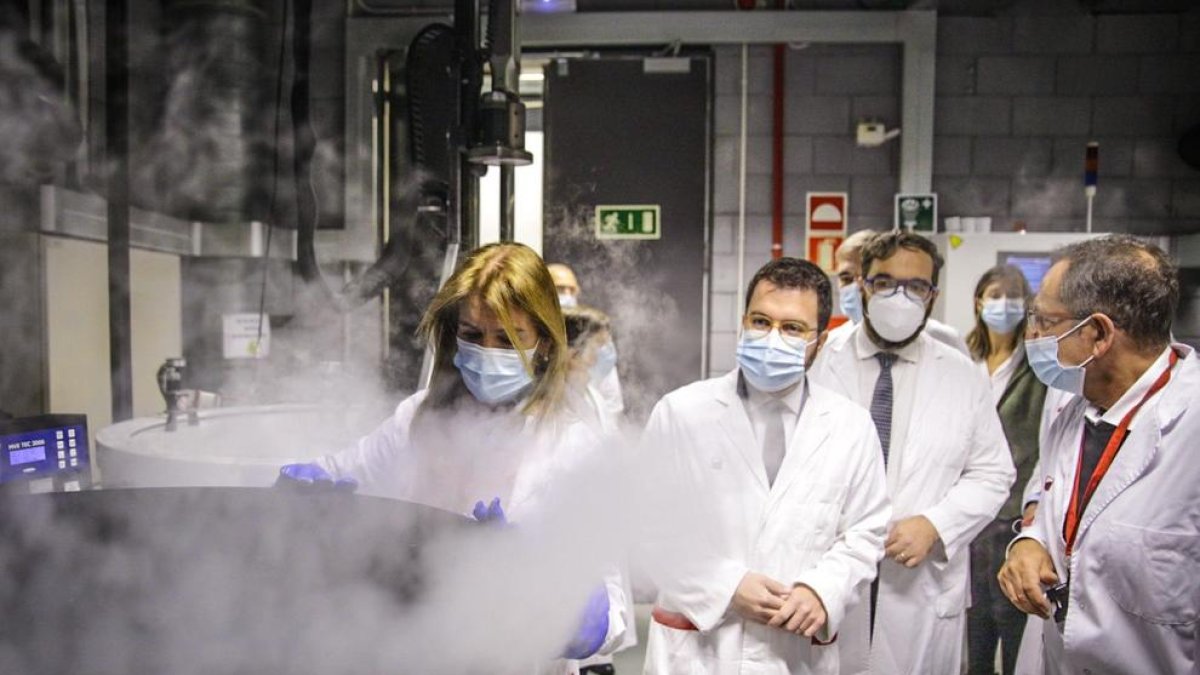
(606, 360)
(1043, 359)
(567, 300)
(493, 376)
(851, 302)
(768, 362)
(1003, 315)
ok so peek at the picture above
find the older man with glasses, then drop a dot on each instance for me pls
(1113, 556)
(947, 462)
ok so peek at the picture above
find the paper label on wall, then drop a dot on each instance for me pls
(629, 221)
(240, 336)
(915, 212)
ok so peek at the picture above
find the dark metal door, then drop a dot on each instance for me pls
(633, 131)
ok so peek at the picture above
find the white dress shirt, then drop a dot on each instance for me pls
(1004, 373)
(759, 405)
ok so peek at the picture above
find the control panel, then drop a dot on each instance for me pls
(46, 453)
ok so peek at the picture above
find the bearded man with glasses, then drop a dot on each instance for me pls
(948, 465)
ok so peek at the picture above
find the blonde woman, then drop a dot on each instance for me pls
(495, 424)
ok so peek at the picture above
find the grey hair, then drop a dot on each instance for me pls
(1132, 282)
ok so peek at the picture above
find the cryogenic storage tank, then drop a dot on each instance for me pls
(207, 581)
(235, 447)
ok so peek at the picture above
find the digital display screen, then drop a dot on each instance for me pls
(1033, 265)
(36, 447)
(27, 455)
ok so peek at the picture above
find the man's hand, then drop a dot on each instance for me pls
(1025, 572)
(758, 597)
(802, 613)
(910, 541)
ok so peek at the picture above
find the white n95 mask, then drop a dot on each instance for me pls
(493, 376)
(896, 317)
(1043, 359)
(768, 362)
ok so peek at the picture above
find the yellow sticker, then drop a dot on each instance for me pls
(955, 241)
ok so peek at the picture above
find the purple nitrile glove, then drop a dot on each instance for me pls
(312, 477)
(492, 513)
(592, 628)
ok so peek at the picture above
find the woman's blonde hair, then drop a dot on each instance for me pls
(503, 276)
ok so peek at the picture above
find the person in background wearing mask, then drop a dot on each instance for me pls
(998, 348)
(496, 421)
(565, 284)
(593, 358)
(592, 355)
(1112, 560)
(785, 481)
(609, 387)
(948, 464)
(848, 259)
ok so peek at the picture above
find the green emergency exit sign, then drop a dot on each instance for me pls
(629, 221)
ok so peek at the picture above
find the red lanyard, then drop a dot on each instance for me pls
(1075, 510)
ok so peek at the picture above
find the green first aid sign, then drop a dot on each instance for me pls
(629, 221)
(916, 212)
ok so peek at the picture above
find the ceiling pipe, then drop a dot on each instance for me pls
(778, 89)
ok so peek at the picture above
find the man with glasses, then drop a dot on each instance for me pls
(848, 260)
(947, 462)
(784, 490)
(1113, 557)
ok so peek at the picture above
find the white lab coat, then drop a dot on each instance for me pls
(608, 422)
(1029, 656)
(955, 469)
(821, 523)
(1135, 571)
(480, 455)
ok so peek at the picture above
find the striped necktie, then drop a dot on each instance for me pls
(881, 402)
(881, 415)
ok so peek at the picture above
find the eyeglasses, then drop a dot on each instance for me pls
(758, 325)
(1042, 323)
(887, 286)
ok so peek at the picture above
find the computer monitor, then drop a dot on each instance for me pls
(1033, 265)
(45, 453)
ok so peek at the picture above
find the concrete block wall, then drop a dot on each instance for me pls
(828, 88)
(1018, 96)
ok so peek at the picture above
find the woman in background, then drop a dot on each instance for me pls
(593, 357)
(997, 345)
